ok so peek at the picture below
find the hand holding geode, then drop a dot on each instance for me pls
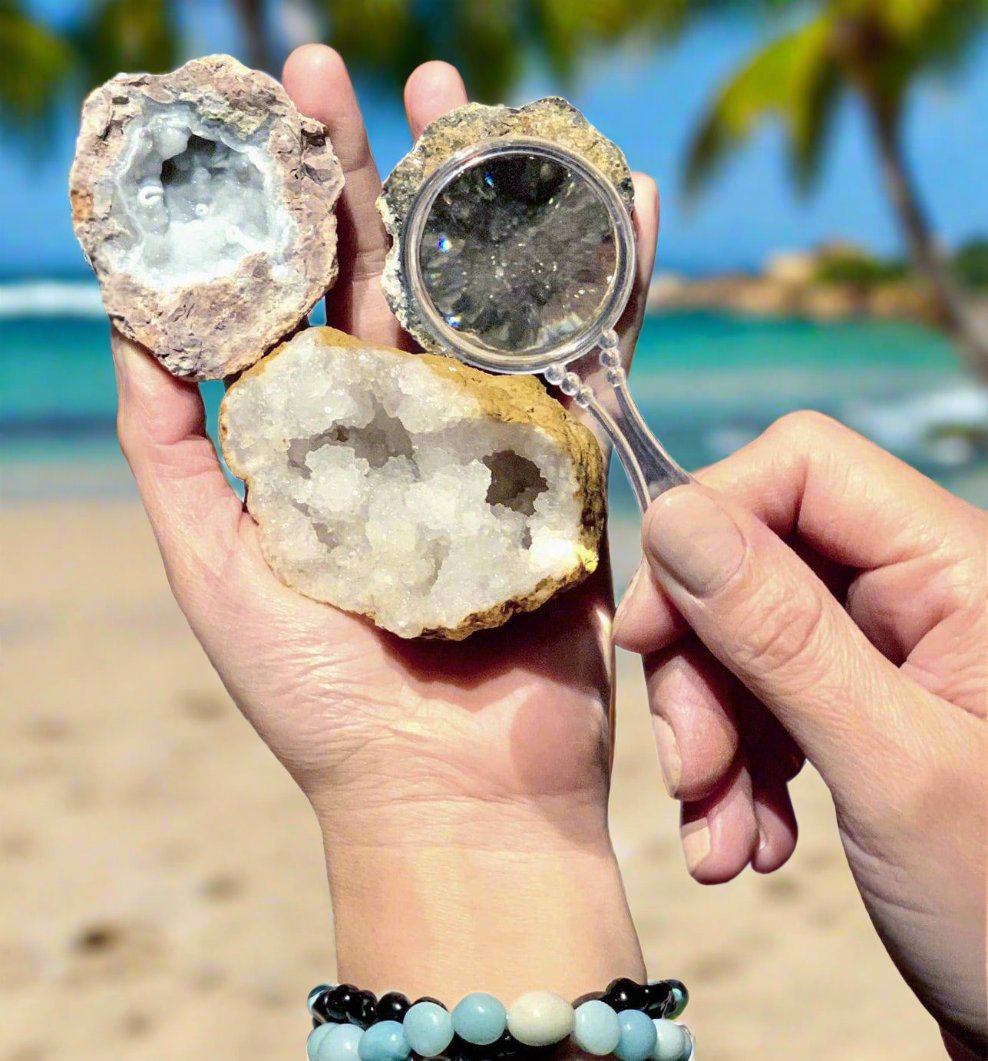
(435, 499)
(204, 202)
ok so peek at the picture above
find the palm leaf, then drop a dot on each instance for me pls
(35, 65)
(125, 35)
(793, 80)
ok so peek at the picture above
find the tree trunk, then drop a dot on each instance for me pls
(970, 331)
(250, 14)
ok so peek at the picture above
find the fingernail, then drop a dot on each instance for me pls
(622, 608)
(694, 540)
(696, 844)
(670, 761)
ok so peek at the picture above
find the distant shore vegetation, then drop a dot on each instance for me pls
(836, 281)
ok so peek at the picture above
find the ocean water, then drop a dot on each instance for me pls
(707, 384)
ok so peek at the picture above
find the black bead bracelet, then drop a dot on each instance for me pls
(346, 1003)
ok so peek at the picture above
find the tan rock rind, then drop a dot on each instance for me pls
(211, 329)
(507, 399)
(553, 119)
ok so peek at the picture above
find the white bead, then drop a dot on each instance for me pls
(540, 1018)
(584, 396)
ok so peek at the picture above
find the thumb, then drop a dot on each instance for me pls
(766, 616)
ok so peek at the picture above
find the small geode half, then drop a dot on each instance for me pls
(204, 202)
(553, 119)
(433, 498)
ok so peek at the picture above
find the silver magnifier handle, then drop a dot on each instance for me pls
(650, 470)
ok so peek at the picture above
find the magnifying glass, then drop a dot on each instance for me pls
(518, 256)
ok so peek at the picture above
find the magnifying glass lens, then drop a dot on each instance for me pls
(519, 253)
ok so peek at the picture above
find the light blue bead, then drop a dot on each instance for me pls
(479, 1018)
(341, 1044)
(384, 1041)
(428, 1028)
(637, 1035)
(671, 1042)
(596, 1028)
(315, 1040)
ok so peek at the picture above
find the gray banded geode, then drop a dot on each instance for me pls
(434, 499)
(516, 252)
(205, 204)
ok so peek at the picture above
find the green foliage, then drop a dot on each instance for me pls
(859, 270)
(971, 263)
(792, 80)
(490, 41)
(131, 35)
(39, 65)
(876, 48)
(34, 66)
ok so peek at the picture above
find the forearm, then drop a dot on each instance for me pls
(480, 900)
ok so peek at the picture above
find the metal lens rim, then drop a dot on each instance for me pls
(466, 347)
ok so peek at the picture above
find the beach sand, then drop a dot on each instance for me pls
(162, 890)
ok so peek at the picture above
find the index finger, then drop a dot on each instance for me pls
(317, 80)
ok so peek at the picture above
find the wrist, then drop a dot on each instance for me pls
(443, 900)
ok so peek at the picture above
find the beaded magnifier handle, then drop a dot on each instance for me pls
(650, 470)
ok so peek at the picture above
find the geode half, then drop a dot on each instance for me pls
(553, 119)
(433, 498)
(204, 202)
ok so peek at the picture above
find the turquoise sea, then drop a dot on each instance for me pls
(707, 383)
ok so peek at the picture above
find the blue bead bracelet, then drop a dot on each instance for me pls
(630, 1021)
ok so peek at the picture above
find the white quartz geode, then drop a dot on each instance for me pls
(433, 498)
(204, 202)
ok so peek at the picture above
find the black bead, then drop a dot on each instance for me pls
(429, 998)
(590, 996)
(333, 1006)
(361, 1007)
(505, 1047)
(392, 1006)
(685, 995)
(658, 999)
(535, 1053)
(460, 1050)
(624, 994)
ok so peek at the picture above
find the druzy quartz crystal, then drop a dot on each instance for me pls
(433, 498)
(518, 252)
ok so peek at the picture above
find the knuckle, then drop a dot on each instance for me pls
(784, 630)
(805, 426)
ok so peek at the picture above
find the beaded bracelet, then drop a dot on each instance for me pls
(634, 1022)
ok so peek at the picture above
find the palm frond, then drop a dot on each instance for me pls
(35, 66)
(125, 35)
(793, 80)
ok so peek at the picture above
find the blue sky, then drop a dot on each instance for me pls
(648, 101)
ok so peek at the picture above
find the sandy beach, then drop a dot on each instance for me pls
(162, 891)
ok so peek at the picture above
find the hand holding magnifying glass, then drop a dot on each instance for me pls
(516, 254)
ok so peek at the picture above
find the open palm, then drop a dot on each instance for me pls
(516, 716)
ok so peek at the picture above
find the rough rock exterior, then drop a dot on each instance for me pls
(411, 488)
(553, 119)
(206, 306)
